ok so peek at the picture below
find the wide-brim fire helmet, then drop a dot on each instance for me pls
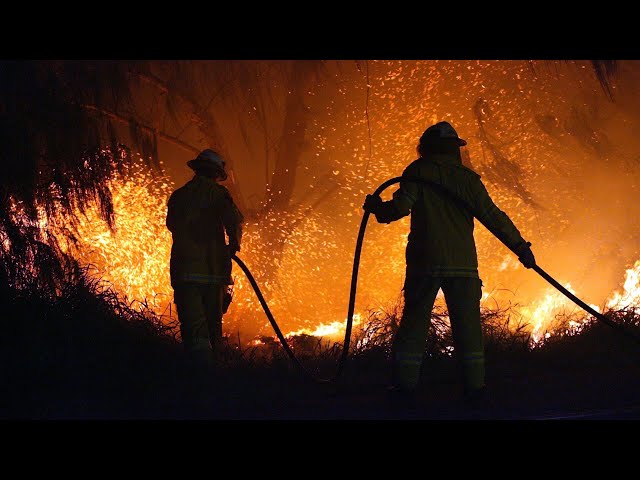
(209, 161)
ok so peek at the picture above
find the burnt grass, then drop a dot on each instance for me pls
(84, 354)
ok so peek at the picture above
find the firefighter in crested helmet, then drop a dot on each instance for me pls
(198, 215)
(441, 254)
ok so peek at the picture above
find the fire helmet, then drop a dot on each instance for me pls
(441, 131)
(207, 159)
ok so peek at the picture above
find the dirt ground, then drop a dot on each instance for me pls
(560, 394)
(591, 380)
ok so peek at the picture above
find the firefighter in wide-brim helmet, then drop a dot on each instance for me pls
(441, 254)
(198, 215)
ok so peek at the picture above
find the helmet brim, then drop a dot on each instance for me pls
(199, 163)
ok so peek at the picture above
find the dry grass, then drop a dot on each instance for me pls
(88, 352)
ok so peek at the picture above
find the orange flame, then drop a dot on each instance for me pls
(631, 294)
(541, 314)
(308, 287)
(134, 260)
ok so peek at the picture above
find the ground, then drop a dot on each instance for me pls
(105, 371)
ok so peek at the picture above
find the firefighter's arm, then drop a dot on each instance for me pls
(233, 221)
(499, 223)
(396, 208)
(170, 220)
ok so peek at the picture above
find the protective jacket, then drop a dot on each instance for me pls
(198, 214)
(441, 239)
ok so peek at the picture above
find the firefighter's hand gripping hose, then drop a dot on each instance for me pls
(354, 284)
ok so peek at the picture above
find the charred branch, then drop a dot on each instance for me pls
(502, 171)
(152, 132)
(604, 70)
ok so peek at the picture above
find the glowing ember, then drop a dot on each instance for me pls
(305, 275)
(133, 259)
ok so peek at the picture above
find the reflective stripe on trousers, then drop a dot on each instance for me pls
(462, 295)
(406, 368)
(199, 310)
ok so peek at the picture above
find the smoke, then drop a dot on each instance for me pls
(561, 141)
(554, 152)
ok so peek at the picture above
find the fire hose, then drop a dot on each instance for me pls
(354, 284)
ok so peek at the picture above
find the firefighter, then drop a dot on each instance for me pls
(441, 254)
(198, 215)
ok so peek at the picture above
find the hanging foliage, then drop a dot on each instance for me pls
(58, 150)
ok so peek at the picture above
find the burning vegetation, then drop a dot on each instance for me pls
(557, 155)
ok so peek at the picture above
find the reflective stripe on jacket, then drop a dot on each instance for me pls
(198, 214)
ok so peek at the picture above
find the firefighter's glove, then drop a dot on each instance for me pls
(525, 255)
(372, 204)
(233, 248)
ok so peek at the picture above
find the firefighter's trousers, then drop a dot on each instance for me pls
(462, 296)
(199, 309)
